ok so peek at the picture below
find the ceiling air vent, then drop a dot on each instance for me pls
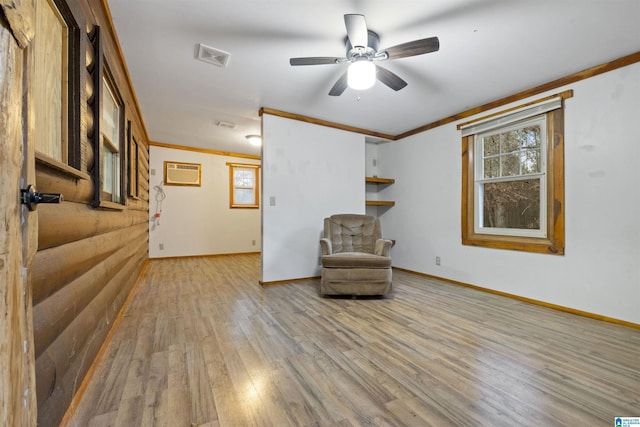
(217, 57)
(228, 125)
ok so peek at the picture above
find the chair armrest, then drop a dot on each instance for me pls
(325, 245)
(383, 247)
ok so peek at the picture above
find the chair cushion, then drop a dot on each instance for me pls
(355, 260)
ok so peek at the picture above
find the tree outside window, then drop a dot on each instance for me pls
(510, 179)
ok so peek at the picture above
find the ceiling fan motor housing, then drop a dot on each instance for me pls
(369, 51)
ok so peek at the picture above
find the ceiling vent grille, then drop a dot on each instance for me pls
(210, 55)
(228, 125)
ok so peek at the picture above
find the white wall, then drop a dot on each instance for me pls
(312, 172)
(198, 220)
(600, 272)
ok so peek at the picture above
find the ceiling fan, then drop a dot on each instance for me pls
(362, 53)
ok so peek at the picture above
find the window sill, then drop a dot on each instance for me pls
(109, 206)
(51, 163)
(526, 244)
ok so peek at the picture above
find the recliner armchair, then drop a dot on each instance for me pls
(355, 258)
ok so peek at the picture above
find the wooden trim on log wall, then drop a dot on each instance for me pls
(525, 299)
(112, 32)
(572, 78)
(203, 150)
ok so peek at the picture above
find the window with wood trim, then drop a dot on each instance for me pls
(111, 142)
(243, 185)
(134, 154)
(55, 62)
(513, 179)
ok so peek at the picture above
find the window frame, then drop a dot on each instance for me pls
(133, 162)
(232, 187)
(553, 242)
(70, 161)
(480, 180)
(103, 73)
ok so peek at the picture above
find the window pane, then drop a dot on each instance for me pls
(243, 178)
(244, 196)
(510, 142)
(49, 81)
(530, 136)
(111, 140)
(492, 167)
(530, 161)
(511, 164)
(512, 204)
(491, 145)
(110, 115)
(111, 177)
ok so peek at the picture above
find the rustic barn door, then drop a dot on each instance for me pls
(18, 226)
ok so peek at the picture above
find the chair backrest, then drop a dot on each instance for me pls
(352, 232)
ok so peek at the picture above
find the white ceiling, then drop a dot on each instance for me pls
(488, 49)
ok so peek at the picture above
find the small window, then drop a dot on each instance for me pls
(111, 143)
(134, 182)
(513, 179)
(243, 180)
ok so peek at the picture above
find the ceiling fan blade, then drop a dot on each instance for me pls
(416, 47)
(390, 79)
(314, 60)
(340, 85)
(356, 30)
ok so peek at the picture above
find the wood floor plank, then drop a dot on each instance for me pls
(202, 344)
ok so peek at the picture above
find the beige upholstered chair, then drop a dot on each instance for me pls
(355, 259)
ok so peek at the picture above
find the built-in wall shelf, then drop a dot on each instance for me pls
(383, 181)
(376, 180)
(380, 203)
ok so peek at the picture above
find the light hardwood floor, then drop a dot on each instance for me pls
(202, 344)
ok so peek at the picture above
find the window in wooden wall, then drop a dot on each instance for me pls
(243, 185)
(513, 179)
(111, 142)
(133, 163)
(56, 84)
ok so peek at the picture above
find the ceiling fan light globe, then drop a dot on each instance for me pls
(361, 75)
(255, 140)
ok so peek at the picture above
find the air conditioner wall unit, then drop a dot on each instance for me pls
(179, 173)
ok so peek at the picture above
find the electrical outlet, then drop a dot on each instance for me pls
(253, 242)
(152, 171)
(437, 260)
(162, 246)
(272, 201)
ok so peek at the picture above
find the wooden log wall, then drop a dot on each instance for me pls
(17, 402)
(88, 259)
